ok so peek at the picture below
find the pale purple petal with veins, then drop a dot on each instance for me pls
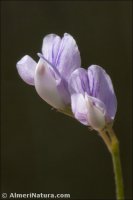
(79, 82)
(62, 53)
(26, 69)
(50, 47)
(101, 87)
(62, 87)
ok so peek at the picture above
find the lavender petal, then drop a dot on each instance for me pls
(101, 87)
(50, 47)
(26, 69)
(62, 53)
(68, 58)
(78, 82)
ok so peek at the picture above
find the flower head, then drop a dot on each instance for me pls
(59, 58)
(93, 98)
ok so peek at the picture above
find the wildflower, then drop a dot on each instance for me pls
(93, 98)
(59, 58)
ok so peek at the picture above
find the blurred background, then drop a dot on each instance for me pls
(43, 150)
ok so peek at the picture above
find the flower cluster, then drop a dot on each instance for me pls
(59, 79)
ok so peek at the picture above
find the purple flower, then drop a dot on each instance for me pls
(93, 99)
(59, 58)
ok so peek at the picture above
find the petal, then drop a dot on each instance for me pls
(78, 82)
(96, 114)
(26, 69)
(50, 47)
(62, 87)
(68, 58)
(101, 87)
(46, 85)
(62, 53)
(61, 84)
(79, 108)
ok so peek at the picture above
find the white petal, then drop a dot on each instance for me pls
(79, 108)
(46, 85)
(96, 114)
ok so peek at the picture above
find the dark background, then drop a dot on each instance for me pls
(45, 151)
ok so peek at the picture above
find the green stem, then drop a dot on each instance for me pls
(117, 167)
(113, 146)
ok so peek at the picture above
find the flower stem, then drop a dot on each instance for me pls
(117, 165)
(112, 143)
